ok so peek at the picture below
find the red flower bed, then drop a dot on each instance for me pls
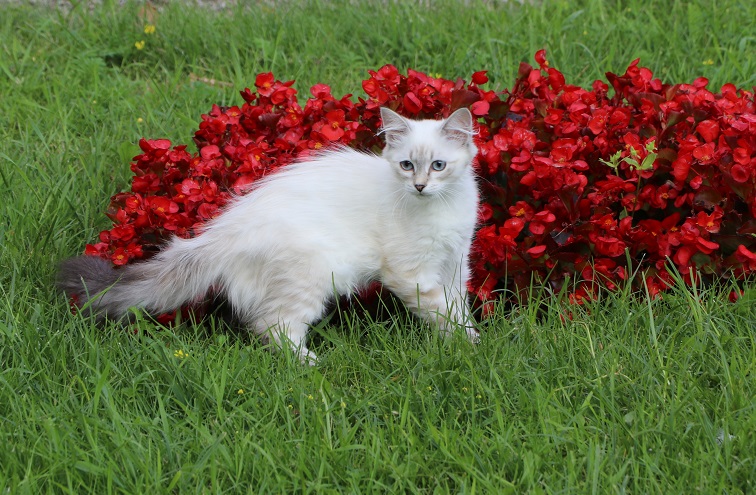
(579, 187)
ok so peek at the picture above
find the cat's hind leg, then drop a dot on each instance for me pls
(287, 322)
(278, 298)
(288, 334)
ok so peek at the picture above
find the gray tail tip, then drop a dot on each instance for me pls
(82, 275)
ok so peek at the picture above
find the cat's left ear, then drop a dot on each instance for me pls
(459, 126)
(395, 127)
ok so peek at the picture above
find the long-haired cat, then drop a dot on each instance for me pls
(316, 229)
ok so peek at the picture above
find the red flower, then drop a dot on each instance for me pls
(537, 251)
(739, 173)
(710, 222)
(480, 77)
(332, 128)
(119, 257)
(264, 84)
(521, 210)
(485, 212)
(541, 221)
(609, 246)
(480, 108)
(747, 257)
(704, 153)
(708, 130)
(412, 103)
(162, 206)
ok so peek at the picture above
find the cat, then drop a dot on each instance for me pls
(319, 228)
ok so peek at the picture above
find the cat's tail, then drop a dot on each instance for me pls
(181, 273)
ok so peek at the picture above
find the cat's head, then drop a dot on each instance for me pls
(429, 156)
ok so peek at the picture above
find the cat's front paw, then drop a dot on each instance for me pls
(307, 357)
(472, 335)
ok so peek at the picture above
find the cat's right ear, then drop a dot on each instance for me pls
(395, 127)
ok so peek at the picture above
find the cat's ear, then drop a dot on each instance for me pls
(459, 126)
(395, 127)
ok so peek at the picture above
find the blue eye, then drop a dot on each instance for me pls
(438, 165)
(406, 165)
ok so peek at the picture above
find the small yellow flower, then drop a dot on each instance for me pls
(139, 44)
(140, 120)
(149, 29)
(708, 61)
(180, 354)
(343, 404)
(309, 397)
(430, 388)
(291, 407)
(464, 389)
(478, 396)
(585, 33)
(240, 391)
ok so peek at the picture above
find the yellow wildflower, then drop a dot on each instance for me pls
(180, 354)
(149, 29)
(708, 61)
(139, 44)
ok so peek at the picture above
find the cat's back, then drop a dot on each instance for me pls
(333, 189)
(341, 170)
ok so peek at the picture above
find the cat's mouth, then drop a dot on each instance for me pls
(423, 192)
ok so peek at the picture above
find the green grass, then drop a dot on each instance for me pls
(623, 396)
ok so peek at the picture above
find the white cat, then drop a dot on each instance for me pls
(319, 228)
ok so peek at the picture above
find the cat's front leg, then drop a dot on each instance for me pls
(445, 307)
(457, 315)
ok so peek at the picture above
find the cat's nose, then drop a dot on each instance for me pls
(419, 187)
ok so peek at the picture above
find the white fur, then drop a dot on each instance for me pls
(329, 226)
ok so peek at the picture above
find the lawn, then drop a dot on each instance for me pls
(623, 395)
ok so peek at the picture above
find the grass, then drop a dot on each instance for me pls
(623, 396)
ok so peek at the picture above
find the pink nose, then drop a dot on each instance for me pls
(419, 187)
